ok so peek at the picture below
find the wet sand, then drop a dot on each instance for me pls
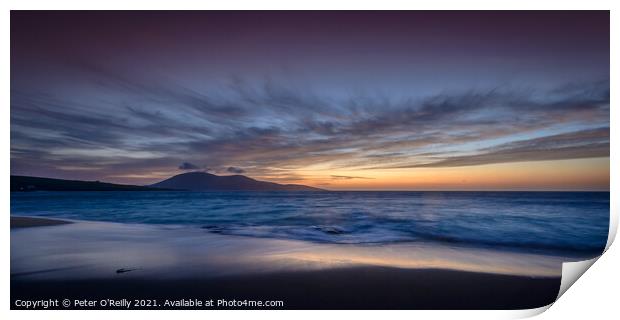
(82, 260)
(341, 288)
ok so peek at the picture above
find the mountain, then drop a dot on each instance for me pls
(24, 183)
(191, 181)
(202, 181)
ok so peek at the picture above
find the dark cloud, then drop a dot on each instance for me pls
(336, 177)
(188, 166)
(235, 170)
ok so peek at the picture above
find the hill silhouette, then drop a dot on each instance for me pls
(25, 183)
(202, 181)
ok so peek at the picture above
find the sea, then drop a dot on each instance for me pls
(549, 222)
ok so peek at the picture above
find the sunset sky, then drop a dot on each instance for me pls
(337, 100)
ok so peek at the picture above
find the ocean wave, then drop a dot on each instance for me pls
(342, 235)
(564, 221)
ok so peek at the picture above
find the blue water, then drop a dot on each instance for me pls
(532, 221)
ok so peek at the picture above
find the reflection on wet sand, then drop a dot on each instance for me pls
(97, 249)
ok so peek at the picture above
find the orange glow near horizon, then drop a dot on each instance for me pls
(580, 174)
(590, 174)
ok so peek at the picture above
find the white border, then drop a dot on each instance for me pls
(595, 295)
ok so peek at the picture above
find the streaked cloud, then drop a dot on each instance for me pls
(268, 133)
(319, 103)
(592, 143)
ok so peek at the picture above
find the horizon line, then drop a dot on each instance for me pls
(342, 190)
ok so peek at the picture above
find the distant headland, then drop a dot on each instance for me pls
(190, 181)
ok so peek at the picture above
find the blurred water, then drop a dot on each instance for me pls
(87, 250)
(549, 221)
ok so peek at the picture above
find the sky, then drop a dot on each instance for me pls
(392, 100)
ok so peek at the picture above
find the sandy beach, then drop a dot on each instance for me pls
(342, 288)
(97, 260)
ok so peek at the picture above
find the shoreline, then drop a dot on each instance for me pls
(103, 260)
(23, 221)
(192, 249)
